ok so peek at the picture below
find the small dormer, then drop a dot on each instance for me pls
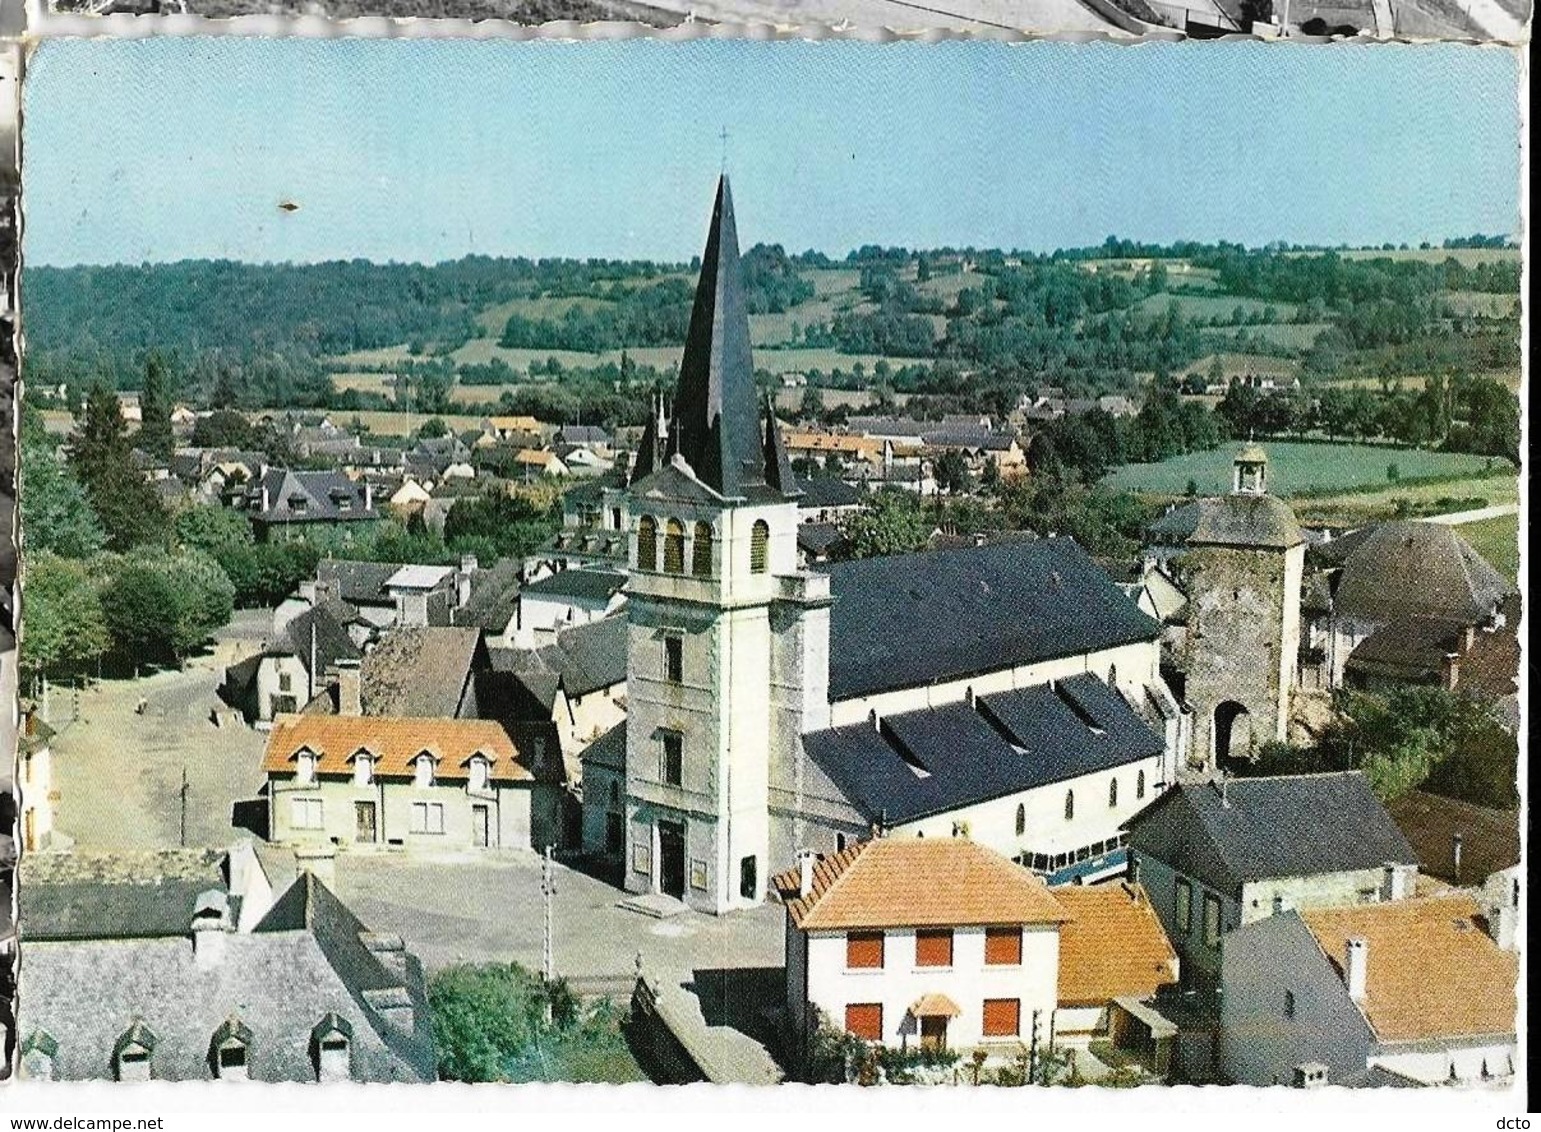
(363, 767)
(230, 1051)
(423, 769)
(331, 1048)
(133, 1053)
(38, 1053)
(305, 761)
(478, 772)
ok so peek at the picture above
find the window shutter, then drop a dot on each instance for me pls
(933, 947)
(864, 949)
(865, 1020)
(1003, 946)
(1003, 1017)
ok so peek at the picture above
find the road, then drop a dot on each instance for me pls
(903, 15)
(1459, 518)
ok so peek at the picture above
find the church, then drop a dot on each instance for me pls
(1008, 693)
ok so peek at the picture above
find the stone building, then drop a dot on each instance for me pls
(1240, 559)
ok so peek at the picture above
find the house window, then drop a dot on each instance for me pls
(1289, 1004)
(305, 813)
(1021, 819)
(478, 778)
(864, 1020)
(674, 660)
(674, 547)
(672, 771)
(305, 767)
(422, 770)
(1139, 785)
(701, 551)
(1069, 805)
(933, 947)
(1112, 792)
(1184, 906)
(1003, 1017)
(647, 543)
(759, 547)
(427, 817)
(1211, 920)
(333, 1062)
(1003, 947)
(615, 518)
(864, 950)
(286, 681)
(363, 770)
(748, 877)
(134, 1064)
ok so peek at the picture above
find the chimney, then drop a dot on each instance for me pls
(806, 860)
(1501, 909)
(1133, 872)
(369, 496)
(211, 914)
(468, 567)
(1278, 903)
(350, 686)
(1450, 670)
(1455, 857)
(267, 499)
(1356, 966)
(308, 591)
(1310, 1075)
(1393, 881)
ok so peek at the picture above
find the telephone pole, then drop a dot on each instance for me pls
(547, 955)
(182, 794)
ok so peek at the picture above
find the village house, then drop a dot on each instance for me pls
(577, 683)
(978, 954)
(1419, 992)
(285, 504)
(416, 783)
(297, 663)
(754, 688)
(532, 463)
(200, 998)
(566, 598)
(1457, 842)
(506, 426)
(1216, 856)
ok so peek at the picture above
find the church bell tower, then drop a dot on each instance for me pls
(713, 541)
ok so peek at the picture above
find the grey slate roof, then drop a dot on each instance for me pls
(358, 583)
(309, 958)
(593, 655)
(1295, 826)
(130, 895)
(321, 492)
(587, 585)
(827, 491)
(819, 538)
(1412, 569)
(915, 619)
(1004, 744)
(1230, 520)
(609, 750)
(331, 641)
(494, 597)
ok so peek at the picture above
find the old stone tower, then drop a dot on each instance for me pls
(717, 613)
(1240, 559)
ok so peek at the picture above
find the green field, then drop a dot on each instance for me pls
(1356, 508)
(1280, 335)
(1497, 540)
(1485, 303)
(1295, 467)
(1209, 306)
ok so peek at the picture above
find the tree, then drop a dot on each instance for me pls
(891, 522)
(433, 428)
(952, 474)
(65, 626)
(159, 607)
(224, 428)
(130, 511)
(486, 1016)
(812, 407)
(155, 435)
(55, 512)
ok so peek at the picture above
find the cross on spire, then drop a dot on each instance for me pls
(724, 136)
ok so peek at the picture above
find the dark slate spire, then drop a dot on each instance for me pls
(778, 468)
(650, 456)
(716, 424)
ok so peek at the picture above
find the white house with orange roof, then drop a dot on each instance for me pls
(941, 942)
(1416, 992)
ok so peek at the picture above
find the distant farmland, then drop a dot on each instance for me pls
(1294, 467)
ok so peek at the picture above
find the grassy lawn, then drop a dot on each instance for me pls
(1497, 540)
(1235, 365)
(1353, 509)
(1490, 304)
(1295, 467)
(1208, 306)
(1280, 335)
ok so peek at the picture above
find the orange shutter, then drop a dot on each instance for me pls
(864, 949)
(865, 1020)
(1003, 946)
(1003, 1017)
(933, 947)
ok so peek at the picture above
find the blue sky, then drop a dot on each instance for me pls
(164, 148)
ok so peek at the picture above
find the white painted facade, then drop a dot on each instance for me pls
(832, 986)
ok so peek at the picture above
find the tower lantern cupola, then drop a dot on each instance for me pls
(1250, 475)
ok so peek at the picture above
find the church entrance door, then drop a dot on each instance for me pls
(671, 859)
